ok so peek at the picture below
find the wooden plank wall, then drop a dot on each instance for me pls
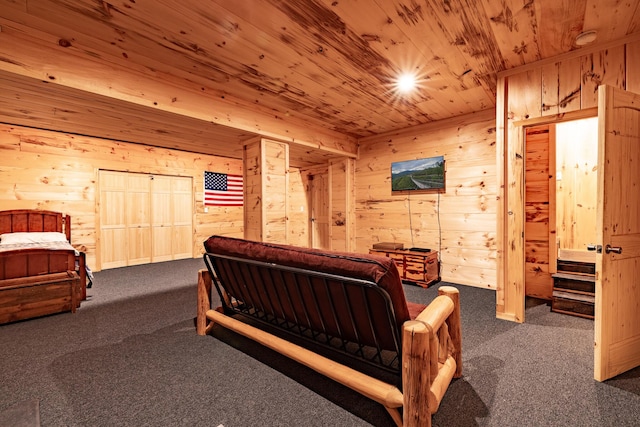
(461, 223)
(539, 226)
(341, 196)
(563, 88)
(275, 178)
(269, 197)
(253, 205)
(57, 171)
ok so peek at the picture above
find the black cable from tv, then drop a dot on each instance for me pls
(410, 224)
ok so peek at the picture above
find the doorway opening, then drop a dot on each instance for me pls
(561, 213)
(319, 207)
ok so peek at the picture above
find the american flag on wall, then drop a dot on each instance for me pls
(221, 189)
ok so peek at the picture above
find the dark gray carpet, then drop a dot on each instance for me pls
(130, 357)
(22, 414)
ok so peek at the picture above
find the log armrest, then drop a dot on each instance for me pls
(431, 356)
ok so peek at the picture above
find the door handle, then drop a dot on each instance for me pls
(614, 249)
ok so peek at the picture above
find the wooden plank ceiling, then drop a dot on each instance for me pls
(330, 64)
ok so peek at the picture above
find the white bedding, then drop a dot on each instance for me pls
(45, 240)
(46, 245)
(32, 237)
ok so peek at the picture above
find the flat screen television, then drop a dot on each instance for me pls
(426, 175)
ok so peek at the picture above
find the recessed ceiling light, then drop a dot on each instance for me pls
(586, 37)
(406, 83)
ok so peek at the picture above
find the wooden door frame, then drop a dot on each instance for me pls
(510, 153)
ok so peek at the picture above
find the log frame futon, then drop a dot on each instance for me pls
(355, 300)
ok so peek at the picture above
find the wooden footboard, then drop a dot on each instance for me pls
(29, 297)
(38, 282)
(33, 220)
(431, 355)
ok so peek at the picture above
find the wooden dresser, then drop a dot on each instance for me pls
(420, 268)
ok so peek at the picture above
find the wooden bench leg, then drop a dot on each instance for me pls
(204, 300)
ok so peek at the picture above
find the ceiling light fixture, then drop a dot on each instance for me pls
(586, 37)
(406, 83)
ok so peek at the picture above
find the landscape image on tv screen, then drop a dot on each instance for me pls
(421, 174)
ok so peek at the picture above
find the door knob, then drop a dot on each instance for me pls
(596, 248)
(614, 249)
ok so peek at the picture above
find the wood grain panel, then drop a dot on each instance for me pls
(471, 276)
(558, 24)
(297, 210)
(514, 27)
(253, 209)
(538, 281)
(461, 223)
(561, 86)
(339, 205)
(317, 74)
(275, 187)
(600, 68)
(113, 234)
(619, 17)
(632, 55)
(145, 86)
(57, 171)
(138, 220)
(525, 95)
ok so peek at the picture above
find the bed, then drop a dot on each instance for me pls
(40, 271)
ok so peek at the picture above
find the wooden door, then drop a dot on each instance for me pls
(617, 316)
(113, 227)
(319, 211)
(162, 219)
(182, 209)
(144, 218)
(138, 218)
(171, 218)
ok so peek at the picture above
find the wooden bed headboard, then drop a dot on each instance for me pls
(28, 220)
